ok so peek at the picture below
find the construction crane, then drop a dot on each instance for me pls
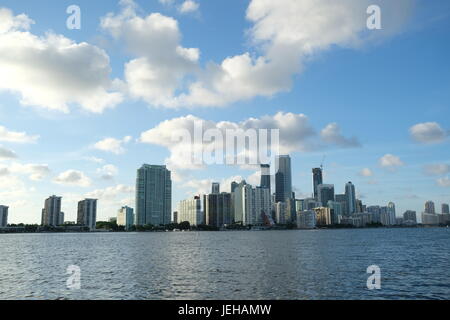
(323, 161)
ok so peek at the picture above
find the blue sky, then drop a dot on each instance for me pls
(387, 89)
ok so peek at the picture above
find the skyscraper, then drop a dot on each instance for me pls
(410, 216)
(391, 213)
(445, 208)
(350, 196)
(125, 217)
(215, 188)
(429, 207)
(3, 216)
(51, 214)
(87, 213)
(283, 179)
(325, 193)
(153, 195)
(317, 180)
(265, 176)
(217, 209)
(190, 210)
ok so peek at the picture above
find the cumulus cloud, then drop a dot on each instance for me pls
(390, 162)
(200, 187)
(444, 182)
(332, 134)
(112, 145)
(13, 136)
(108, 172)
(112, 198)
(7, 154)
(35, 172)
(73, 178)
(436, 169)
(366, 172)
(187, 152)
(284, 35)
(188, 6)
(428, 133)
(53, 71)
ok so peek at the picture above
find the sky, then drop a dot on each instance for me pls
(82, 109)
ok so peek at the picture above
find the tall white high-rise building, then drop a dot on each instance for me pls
(250, 204)
(153, 195)
(190, 210)
(350, 195)
(3, 216)
(51, 214)
(87, 213)
(391, 213)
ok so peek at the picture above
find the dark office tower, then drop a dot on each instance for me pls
(445, 208)
(265, 176)
(350, 195)
(283, 179)
(234, 185)
(317, 180)
(325, 193)
(217, 209)
(153, 195)
(215, 189)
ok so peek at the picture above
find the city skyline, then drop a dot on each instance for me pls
(378, 117)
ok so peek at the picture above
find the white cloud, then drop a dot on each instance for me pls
(12, 136)
(444, 182)
(94, 159)
(295, 134)
(366, 172)
(108, 172)
(53, 71)
(7, 154)
(35, 172)
(4, 172)
(188, 6)
(285, 34)
(390, 162)
(112, 145)
(115, 195)
(332, 134)
(73, 178)
(437, 169)
(200, 187)
(428, 133)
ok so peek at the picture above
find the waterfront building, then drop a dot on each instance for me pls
(350, 195)
(175, 217)
(87, 213)
(430, 218)
(429, 207)
(445, 208)
(410, 217)
(342, 199)
(283, 179)
(153, 195)
(265, 176)
(61, 219)
(251, 204)
(323, 216)
(191, 211)
(325, 193)
(51, 212)
(125, 217)
(391, 213)
(336, 211)
(317, 180)
(3, 216)
(280, 212)
(217, 210)
(310, 203)
(306, 219)
(215, 188)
